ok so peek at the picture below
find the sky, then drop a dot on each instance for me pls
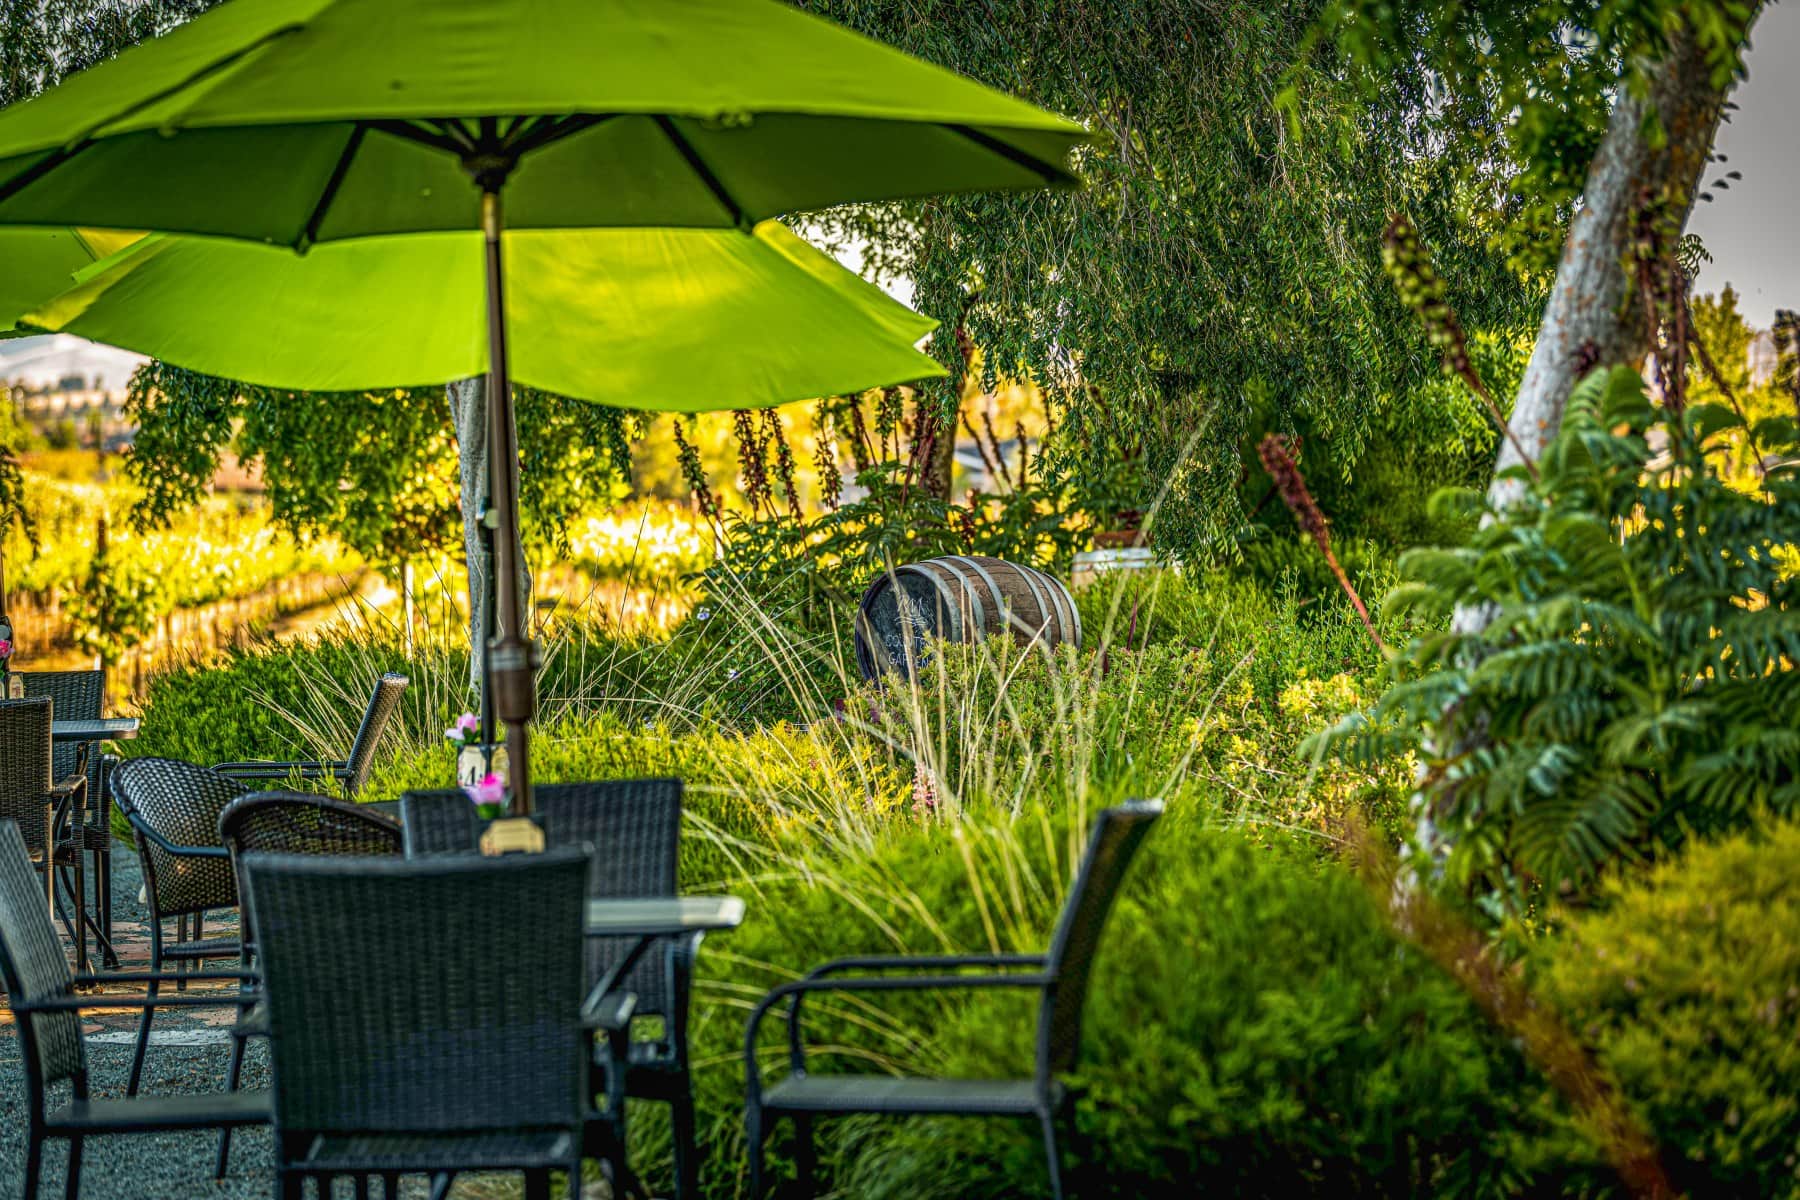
(1750, 229)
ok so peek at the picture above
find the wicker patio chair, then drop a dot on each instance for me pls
(401, 1039)
(1061, 976)
(287, 823)
(81, 696)
(41, 991)
(634, 826)
(353, 771)
(173, 808)
(44, 807)
(440, 821)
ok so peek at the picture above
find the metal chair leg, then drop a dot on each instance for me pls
(687, 1150)
(806, 1157)
(34, 1164)
(106, 905)
(239, 1045)
(81, 952)
(72, 1189)
(1051, 1155)
(753, 1137)
(143, 1038)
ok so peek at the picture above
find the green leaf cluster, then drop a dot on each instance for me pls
(1517, 92)
(1637, 685)
(1220, 275)
(375, 469)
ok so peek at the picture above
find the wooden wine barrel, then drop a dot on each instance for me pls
(958, 598)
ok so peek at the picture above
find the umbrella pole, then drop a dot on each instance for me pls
(511, 657)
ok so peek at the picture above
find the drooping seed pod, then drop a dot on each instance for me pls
(694, 472)
(825, 460)
(784, 461)
(753, 467)
(1278, 459)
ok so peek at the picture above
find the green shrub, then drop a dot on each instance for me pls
(1253, 1028)
(1687, 985)
(1636, 686)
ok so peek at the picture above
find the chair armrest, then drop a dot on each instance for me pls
(252, 1023)
(879, 983)
(910, 962)
(312, 769)
(68, 787)
(164, 844)
(84, 1003)
(99, 978)
(609, 1011)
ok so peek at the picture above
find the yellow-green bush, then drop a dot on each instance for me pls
(1686, 982)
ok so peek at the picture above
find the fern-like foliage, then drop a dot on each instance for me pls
(1638, 686)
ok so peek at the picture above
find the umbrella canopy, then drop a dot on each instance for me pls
(39, 263)
(666, 319)
(297, 121)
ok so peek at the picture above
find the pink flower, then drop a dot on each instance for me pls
(464, 729)
(5, 648)
(489, 791)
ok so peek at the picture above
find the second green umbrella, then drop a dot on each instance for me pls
(677, 320)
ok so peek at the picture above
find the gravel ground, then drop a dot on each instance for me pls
(189, 1052)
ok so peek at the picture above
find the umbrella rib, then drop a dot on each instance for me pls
(211, 68)
(39, 169)
(436, 139)
(699, 167)
(1012, 154)
(310, 233)
(553, 129)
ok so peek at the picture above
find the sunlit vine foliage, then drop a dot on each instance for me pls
(1220, 275)
(377, 469)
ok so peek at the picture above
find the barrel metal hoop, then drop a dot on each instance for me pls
(1046, 609)
(968, 588)
(1065, 600)
(1000, 601)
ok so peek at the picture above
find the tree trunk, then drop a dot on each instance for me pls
(468, 415)
(1596, 313)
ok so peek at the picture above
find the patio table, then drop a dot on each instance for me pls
(649, 920)
(108, 729)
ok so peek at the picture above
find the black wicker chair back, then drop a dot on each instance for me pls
(1115, 840)
(422, 997)
(79, 696)
(382, 703)
(174, 803)
(300, 823)
(33, 967)
(438, 822)
(1060, 976)
(25, 771)
(634, 826)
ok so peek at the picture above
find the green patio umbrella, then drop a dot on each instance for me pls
(665, 319)
(672, 320)
(295, 122)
